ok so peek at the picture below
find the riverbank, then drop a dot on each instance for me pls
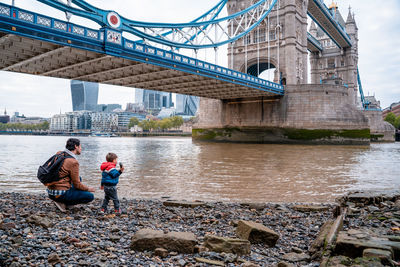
(34, 232)
(362, 229)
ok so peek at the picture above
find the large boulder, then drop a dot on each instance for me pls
(149, 239)
(228, 245)
(256, 233)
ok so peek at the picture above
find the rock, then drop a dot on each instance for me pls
(228, 245)
(249, 264)
(40, 221)
(186, 204)
(229, 257)
(17, 240)
(285, 264)
(351, 247)
(310, 208)
(385, 256)
(254, 206)
(7, 226)
(53, 258)
(295, 257)
(149, 239)
(211, 262)
(372, 209)
(161, 252)
(319, 242)
(397, 204)
(256, 233)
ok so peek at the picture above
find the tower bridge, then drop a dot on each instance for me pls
(236, 104)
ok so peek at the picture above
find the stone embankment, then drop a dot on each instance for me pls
(366, 231)
(362, 230)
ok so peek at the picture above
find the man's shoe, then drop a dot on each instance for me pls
(102, 211)
(117, 211)
(60, 206)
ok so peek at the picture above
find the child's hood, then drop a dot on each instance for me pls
(106, 166)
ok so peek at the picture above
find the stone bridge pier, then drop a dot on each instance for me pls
(307, 113)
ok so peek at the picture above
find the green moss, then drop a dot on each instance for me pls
(376, 137)
(305, 134)
(202, 134)
(210, 134)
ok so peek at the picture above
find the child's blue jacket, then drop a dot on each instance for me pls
(110, 175)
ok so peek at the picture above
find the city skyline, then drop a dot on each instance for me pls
(379, 54)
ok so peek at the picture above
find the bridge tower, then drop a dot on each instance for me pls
(333, 62)
(284, 32)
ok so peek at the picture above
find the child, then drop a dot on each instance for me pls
(110, 177)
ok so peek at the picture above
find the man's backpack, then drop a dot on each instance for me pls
(49, 172)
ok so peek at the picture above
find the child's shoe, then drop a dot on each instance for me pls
(117, 211)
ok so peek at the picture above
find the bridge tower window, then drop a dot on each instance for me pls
(259, 35)
(331, 64)
(247, 39)
(272, 35)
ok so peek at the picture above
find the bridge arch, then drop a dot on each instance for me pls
(265, 64)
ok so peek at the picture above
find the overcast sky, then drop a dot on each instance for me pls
(379, 52)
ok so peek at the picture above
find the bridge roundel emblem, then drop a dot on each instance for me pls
(113, 20)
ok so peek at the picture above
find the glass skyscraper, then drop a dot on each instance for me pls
(187, 104)
(153, 100)
(84, 95)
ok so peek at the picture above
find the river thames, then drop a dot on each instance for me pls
(180, 168)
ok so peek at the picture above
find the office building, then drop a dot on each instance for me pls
(108, 107)
(84, 95)
(186, 105)
(153, 100)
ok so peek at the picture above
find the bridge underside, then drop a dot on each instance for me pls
(30, 56)
(320, 14)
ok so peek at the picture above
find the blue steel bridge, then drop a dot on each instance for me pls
(36, 44)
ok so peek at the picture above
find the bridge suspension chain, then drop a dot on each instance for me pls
(207, 31)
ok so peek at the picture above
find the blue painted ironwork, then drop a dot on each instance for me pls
(193, 35)
(314, 41)
(365, 103)
(110, 41)
(321, 5)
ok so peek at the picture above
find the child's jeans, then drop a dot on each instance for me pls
(110, 193)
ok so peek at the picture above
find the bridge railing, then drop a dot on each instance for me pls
(314, 41)
(114, 37)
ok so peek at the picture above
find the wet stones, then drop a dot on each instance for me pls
(227, 245)
(149, 239)
(256, 233)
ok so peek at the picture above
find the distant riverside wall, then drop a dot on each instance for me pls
(314, 114)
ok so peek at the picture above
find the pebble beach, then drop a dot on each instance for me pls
(34, 233)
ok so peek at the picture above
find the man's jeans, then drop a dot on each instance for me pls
(73, 197)
(110, 193)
